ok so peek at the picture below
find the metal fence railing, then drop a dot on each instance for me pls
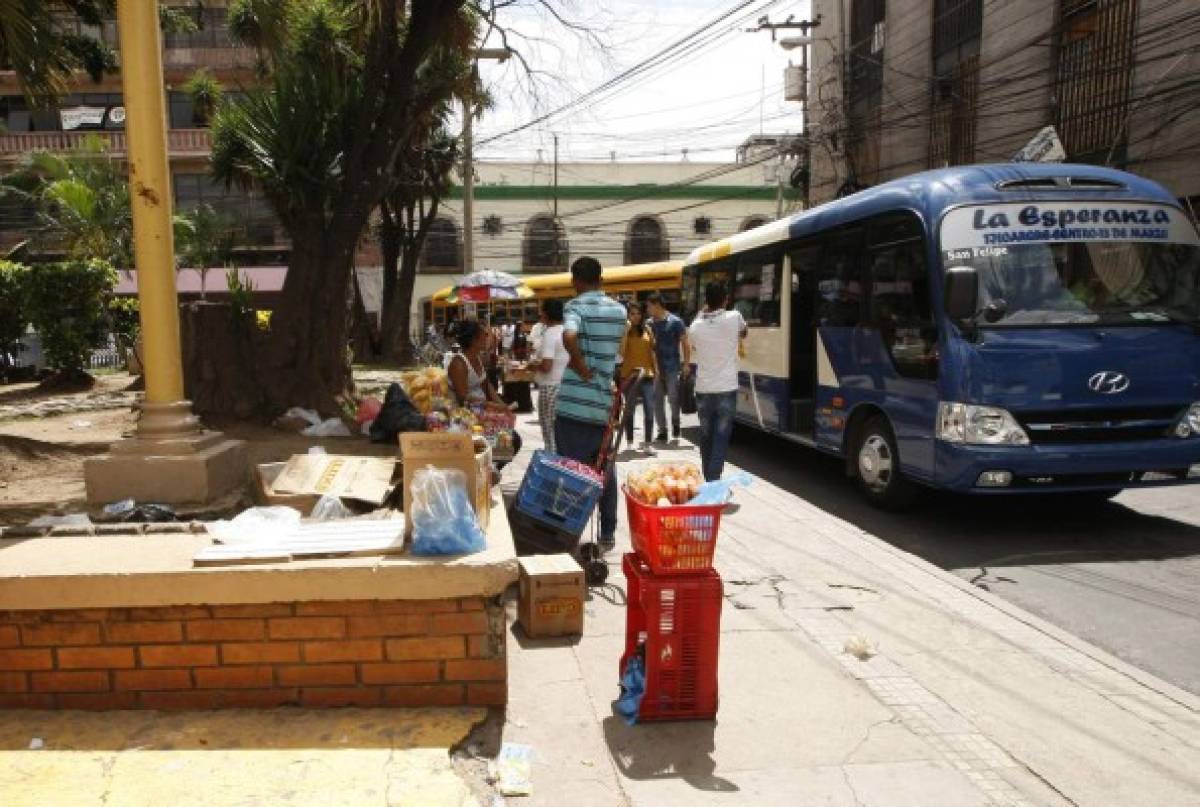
(106, 358)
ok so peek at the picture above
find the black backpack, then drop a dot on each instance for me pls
(396, 415)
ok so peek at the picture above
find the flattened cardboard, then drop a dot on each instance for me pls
(367, 479)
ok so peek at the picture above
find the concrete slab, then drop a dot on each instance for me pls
(284, 756)
(101, 572)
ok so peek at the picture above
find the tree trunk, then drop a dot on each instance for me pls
(401, 344)
(306, 364)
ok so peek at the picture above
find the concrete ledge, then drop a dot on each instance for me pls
(108, 571)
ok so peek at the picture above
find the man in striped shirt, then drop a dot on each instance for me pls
(593, 324)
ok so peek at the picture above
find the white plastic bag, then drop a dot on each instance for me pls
(303, 414)
(258, 525)
(330, 508)
(444, 521)
(333, 427)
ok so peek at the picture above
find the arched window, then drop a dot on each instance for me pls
(544, 248)
(443, 249)
(750, 222)
(646, 241)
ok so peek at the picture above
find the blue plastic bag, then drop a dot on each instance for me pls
(633, 689)
(444, 522)
(719, 491)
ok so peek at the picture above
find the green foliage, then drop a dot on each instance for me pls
(13, 319)
(241, 293)
(205, 92)
(68, 305)
(82, 199)
(42, 55)
(205, 238)
(124, 320)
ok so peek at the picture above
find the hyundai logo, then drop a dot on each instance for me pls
(1108, 382)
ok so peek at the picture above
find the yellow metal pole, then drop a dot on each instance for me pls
(150, 196)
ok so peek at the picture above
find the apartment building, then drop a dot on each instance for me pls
(898, 86)
(96, 108)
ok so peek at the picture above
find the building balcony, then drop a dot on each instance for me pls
(180, 142)
(212, 58)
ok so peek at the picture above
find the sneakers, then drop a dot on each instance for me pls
(648, 449)
(661, 437)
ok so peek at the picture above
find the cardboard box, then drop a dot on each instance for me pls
(447, 451)
(265, 493)
(552, 589)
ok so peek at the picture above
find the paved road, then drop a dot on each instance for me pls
(1124, 576)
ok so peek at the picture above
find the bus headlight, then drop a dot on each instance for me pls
(979, 425)
(1189, 424)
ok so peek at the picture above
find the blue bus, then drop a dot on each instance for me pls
(986, 329)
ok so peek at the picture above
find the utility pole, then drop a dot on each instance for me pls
(468, 184)
(556, 180)
(468, 131)
(791, 43)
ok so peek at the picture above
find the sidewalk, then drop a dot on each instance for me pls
(968, 700)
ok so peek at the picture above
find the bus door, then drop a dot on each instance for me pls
(802, 336)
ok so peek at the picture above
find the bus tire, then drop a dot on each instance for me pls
(876, 465)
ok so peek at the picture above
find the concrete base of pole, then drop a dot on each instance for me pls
(170, 460)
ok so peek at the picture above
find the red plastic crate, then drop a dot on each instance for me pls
(676, 623)
(674, 540)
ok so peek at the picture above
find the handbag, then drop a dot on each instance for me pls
(687, 394)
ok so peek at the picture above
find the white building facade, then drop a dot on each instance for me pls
(619, 213)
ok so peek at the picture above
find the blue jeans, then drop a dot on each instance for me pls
(716, 425)
(666, 387)
(644, 390)
(580, 440)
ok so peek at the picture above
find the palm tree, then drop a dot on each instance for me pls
(350, 84)
(82, 201)
(204, 240)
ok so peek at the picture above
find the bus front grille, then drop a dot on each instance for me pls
(1126, 425)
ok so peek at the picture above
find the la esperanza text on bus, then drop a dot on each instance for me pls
(1032, 216)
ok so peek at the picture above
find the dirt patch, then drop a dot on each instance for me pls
(39, 477)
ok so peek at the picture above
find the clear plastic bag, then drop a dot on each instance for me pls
(720, 491)
(330, 508)
(443, 519)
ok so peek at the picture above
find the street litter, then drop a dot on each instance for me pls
(330, 508)
(860, 647)
(127, 511)
(296, 419)
(258, 525)
(81, 424)
(333, 427)
(36, 744)
(512, 769)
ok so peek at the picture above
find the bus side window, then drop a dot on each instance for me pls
(840, 282)
(756, 288)
(901, 309)
(691, 293)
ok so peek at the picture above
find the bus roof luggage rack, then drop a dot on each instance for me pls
(1054, 183)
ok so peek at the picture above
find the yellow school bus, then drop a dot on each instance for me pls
(624, 283)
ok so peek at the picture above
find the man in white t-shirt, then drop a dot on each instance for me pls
(550, 360)
(714, 335)
(508, 333)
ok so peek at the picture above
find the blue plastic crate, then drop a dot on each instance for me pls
(556, 496)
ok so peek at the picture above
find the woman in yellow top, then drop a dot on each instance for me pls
(637, 353)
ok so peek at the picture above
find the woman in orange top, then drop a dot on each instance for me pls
(637, 353)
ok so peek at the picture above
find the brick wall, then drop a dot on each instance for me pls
(314, 654)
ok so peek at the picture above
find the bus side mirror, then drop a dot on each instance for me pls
(961, 292)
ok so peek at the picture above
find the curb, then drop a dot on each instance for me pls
(1135, 674)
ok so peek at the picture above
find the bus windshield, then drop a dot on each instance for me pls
(1028, 277)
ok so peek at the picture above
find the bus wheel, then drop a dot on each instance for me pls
(877, 467)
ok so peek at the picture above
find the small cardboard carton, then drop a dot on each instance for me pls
(447, 451)
(552, 590)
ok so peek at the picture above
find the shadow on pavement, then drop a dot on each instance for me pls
(682, 750)
(957, 531)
